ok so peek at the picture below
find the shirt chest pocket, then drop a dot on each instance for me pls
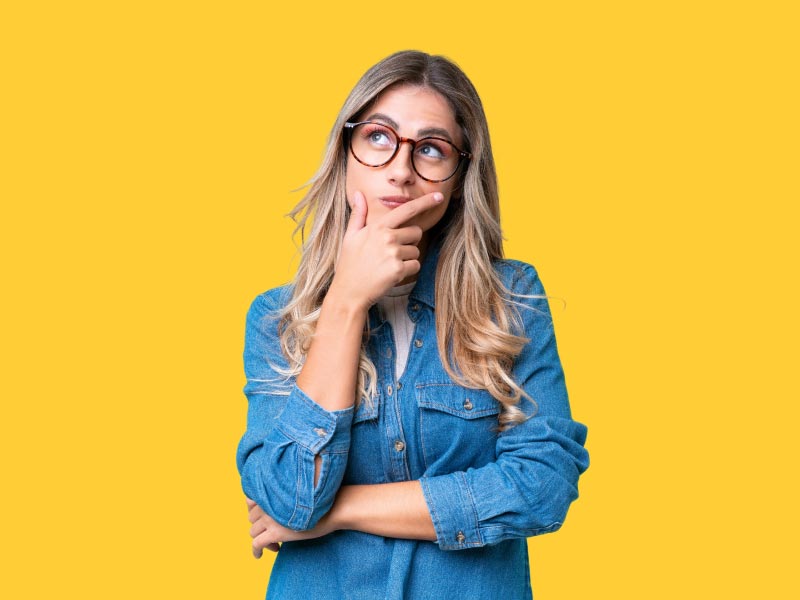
(458, 427)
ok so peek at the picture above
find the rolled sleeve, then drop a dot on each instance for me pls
(286, 431)
(452, 510)
(308, 424)
(278, 470)
(529, 487)
(525, 492)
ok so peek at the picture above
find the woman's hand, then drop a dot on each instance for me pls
(380, 255)
(269, 534)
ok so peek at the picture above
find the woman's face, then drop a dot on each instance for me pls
(413, 112)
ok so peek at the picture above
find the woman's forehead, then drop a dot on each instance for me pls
(412, 109)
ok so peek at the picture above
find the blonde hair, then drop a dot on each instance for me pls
(475, 320)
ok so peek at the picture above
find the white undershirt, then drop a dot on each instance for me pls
(395, 308)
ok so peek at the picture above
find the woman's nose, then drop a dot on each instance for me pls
(401, 171)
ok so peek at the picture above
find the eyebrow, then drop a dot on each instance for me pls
(422, 133)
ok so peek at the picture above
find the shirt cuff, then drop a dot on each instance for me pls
(452, 511)
(311, 426)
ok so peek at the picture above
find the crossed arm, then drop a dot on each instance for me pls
(390, 509)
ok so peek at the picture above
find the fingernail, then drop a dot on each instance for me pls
(437, 197)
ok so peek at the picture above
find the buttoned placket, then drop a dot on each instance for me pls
(391, 414)
(409, 379)
(395, 394)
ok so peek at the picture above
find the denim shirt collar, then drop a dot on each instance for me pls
(425, 290)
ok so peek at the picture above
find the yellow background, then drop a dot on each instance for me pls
(647, 154)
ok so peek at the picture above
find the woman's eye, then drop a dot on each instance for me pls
(379, 136)
(432, 150)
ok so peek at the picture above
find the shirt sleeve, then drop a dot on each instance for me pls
(529, 487)
(286, 430)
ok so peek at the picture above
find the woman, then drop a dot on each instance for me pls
(408, 422)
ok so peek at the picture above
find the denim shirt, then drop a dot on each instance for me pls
(485, 491)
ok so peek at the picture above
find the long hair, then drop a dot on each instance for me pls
(476, 327)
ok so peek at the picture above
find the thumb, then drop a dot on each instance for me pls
(358, 214)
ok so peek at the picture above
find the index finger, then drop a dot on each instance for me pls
(404, 213)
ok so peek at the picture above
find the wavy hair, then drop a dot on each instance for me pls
(477, 328)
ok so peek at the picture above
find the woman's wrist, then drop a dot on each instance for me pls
(336, 517)
(344, 303)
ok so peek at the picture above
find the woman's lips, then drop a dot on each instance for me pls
(393, 201)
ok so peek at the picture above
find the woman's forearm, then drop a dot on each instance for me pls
(396, 510)
(330, 372)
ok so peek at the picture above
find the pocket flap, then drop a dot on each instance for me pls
(456, 400)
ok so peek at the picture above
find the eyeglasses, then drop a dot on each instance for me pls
(433, 158)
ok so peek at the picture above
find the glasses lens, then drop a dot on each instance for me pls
(374, 144)
(435, 159)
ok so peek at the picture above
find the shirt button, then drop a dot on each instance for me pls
(388, 352)
(399, 445)
(418, 343)
(415, 307)
(389, 389)
(468, 404)
(399, 386)
(460, 537)
(320, 432)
